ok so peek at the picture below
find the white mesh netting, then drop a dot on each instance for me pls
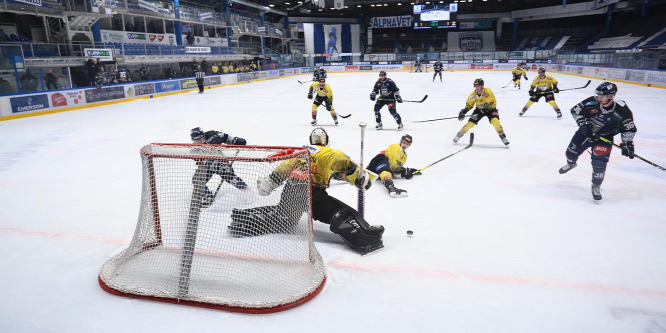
(188, 250)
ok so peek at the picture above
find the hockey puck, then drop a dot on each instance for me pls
(409, 232)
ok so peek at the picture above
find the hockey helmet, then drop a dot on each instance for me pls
(542, 70)
(382, 73)
(322, 79)
(196, 134)
(319, 137)
(479, 82)
(406, 138)
(607, 88)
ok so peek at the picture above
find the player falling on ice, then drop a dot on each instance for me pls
(600, 116)
(391, 163)
(486, 106)
(206, 169)
(324, 95)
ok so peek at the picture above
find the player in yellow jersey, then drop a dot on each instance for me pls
(543, 85)
(343, 219)
(324, 95)
(391, 162)
(486, 106)
(517, 73)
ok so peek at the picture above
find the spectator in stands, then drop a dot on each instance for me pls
(5, 87)
(98, 66)
(151, 27)
(29, 82)
(144, 73)
(51, 80)
(129, 26)
(92, 70)
(194, 64)
(190, 38)
(171, 72)
(204, 65)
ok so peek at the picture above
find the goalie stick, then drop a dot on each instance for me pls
(639, 157)
(404, 100)
(425, 121)
(361, 191)
(471, 141)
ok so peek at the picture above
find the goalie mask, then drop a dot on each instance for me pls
(319, 137)
(196, 134)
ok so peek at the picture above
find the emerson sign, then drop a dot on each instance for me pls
(102, 54)
(392, 22)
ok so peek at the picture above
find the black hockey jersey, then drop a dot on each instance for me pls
(221, 138)
(386, 89)
(606, 122)
(438, 66)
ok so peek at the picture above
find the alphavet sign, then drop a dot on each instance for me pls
(392, 22)
(102, 54)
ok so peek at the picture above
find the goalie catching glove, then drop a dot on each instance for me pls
(265, 186)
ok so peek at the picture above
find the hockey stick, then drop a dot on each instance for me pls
(299, 81)
(508, 84)
(404, 100)
(425, 121)
(471, 141)
(361, 191)
(550, 92)
(639, 157)
(347, 116)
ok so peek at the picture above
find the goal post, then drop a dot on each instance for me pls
(183, 250)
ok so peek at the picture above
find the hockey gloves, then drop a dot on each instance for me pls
(372, 96)
(265, 186)
(525, 77)
(329, 107)
(532, 92)
(398, 98)
(628, 149)
(362, 182)
(461, 115)
(310, 95)
(556, 89)
(408, 173)
(585, 129)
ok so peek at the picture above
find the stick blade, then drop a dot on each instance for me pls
(587, 84)
(471, 140)
(345, 116)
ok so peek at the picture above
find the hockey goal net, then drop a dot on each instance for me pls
(183, 251)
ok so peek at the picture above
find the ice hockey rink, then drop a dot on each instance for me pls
(502, 242)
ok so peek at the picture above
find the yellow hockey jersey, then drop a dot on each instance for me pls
(323, 161)
(485, 101)
(518, 72)
(396, 156)
(324, 91)
(545, 84)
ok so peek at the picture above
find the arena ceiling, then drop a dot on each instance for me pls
(373, 8)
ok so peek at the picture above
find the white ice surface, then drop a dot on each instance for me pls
(502, 242)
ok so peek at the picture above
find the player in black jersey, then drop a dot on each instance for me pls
(600, 116)
(389, 94)
(206, 169)
(438, 67)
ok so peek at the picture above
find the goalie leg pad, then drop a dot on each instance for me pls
(261, 220)
(356, 232)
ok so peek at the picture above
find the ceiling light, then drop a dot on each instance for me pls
(346, 7)
(271, 5)
(286, 3)
(399, 4)
(359, 6)
(385, 5)
(372, 5)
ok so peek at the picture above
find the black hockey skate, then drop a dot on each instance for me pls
(567, 167)
(596, 192)
(394, 191)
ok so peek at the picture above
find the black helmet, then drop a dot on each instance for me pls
(407, 138)
(479, 82)
(541, 70)
(382, 73)
(196, 133)
(606, 88)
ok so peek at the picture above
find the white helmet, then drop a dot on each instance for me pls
(319, 137)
